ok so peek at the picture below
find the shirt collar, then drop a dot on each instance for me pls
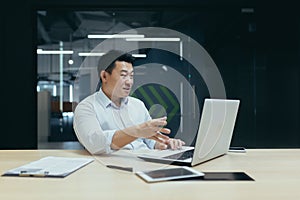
(106, 102)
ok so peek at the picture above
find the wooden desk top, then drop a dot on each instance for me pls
(276, 173)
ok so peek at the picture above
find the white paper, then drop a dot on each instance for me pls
(51, 166)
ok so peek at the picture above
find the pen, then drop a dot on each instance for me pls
(129, 169)
(26, 173)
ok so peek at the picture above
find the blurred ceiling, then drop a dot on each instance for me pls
(72, 26)
(54, 26)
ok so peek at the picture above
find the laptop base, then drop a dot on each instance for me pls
(179, 163)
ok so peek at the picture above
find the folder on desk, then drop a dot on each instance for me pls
(50, 166)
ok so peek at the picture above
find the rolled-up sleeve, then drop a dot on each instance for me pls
(89, 131)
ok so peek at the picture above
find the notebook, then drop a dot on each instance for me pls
(213, 138)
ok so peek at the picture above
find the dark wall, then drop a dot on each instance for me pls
(259, 63)
(18, 75)
(258, 57)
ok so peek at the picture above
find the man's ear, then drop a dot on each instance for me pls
(103, 76)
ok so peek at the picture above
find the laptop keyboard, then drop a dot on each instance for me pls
(182, 155)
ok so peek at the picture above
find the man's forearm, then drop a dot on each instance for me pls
(121, 138)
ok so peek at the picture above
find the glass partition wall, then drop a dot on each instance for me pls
(70, 45)
(172, 48)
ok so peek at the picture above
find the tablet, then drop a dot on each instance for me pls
(169, 174)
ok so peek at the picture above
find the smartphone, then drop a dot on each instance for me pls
(237, 149)
(227, 176)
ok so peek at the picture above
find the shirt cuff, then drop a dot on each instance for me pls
(109, 135)
(150, 143)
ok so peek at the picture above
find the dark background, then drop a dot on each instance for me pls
(257, 55)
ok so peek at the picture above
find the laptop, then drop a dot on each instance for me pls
(213, 137)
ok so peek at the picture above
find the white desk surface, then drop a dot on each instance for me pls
(276, 173)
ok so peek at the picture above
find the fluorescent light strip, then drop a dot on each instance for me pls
(54, 91)
(153, 39)
(90, 54)
(101, 54)
(71, 93)
(139, 55)
(40, 51)
(115, 36)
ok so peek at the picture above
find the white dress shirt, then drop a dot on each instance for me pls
(97, 118)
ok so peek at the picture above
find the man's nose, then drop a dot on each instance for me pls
(128, 80)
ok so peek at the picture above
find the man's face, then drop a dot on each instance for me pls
(120, 80)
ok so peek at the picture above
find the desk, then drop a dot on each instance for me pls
(276, 173)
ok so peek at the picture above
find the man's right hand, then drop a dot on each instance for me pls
(151, 129)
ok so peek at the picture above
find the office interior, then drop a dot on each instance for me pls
(255, 46)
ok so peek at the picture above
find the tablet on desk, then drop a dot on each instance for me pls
(169, 174)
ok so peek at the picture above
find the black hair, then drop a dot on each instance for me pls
(107, 62)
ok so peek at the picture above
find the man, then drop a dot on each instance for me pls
(110, 119)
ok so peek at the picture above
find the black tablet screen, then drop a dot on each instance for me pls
(163, 173)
